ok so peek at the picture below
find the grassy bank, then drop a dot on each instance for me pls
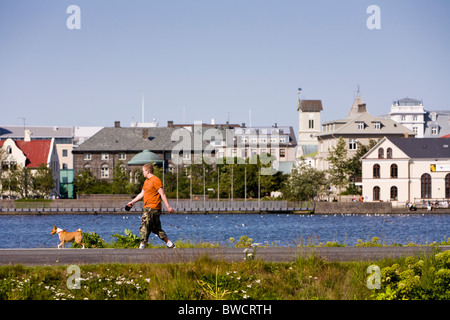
(206, 279)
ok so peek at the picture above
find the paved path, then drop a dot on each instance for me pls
(93, 256)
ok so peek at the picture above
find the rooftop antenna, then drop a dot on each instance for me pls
(250, 117)
(184, 114)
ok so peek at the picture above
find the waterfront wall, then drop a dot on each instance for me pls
(117, 206)
(352, 207)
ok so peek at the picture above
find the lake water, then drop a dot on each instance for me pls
(30, 231)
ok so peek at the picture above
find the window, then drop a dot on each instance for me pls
(394, 193)
(434, 130)
(104, 171)
(402, 118)
(394, 171)
(376, 170)
(380, 153)
(447, 186)
(87, 156)
(352, 144)
(376, 193)
(377, 125)
(122, 156)
(389, 153)
(64, 153)
(282, 153)
(311, 124)
(360, 125)
(414, 118)
(186, 156)
(64, 166)
(105, 156)
(9, 149)
(416, 130)
(425, 186)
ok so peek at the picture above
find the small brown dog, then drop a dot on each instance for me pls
(65, 236)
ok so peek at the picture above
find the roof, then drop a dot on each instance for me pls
(36, 151)
(131, 140)
(423, 147)
(408, 102)
(354, 110)
(438, 119)
(309, 105)
(36, 132)
(358, 113)
(144, 157)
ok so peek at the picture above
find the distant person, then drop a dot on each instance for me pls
(152, 192)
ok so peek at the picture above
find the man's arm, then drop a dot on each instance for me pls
(136, 199)
(164, 199)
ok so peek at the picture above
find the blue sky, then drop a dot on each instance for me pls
(217, 59)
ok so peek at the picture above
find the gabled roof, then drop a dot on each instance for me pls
(423, 147)
(36, 151)
(419, 148)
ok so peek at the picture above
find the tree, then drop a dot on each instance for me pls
(305, 183)
(121, 180)
(43, 180)
(21, 180)
(84, 181)
(338, 171)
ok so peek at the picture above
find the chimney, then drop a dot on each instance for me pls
(116, 124)
(170, 124)
(406, 135)
(243, 124)
(362, 108)
(27, 136)
(145, 133)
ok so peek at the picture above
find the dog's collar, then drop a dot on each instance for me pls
(58, 230)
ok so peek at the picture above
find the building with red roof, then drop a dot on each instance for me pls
(30, 154)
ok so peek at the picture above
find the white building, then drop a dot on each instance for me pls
(410, 113)
(309, 127)
(426, 124)
(407, 170)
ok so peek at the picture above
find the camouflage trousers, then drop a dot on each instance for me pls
(150, 223)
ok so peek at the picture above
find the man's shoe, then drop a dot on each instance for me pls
(170, 244)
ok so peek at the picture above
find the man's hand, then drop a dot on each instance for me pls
(170, 209)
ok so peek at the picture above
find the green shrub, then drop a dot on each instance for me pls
(91, 240)
(129, 240)
(416, 279)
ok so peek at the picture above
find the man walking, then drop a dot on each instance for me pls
(152, 192)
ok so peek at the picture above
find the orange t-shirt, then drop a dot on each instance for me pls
(152, 198)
